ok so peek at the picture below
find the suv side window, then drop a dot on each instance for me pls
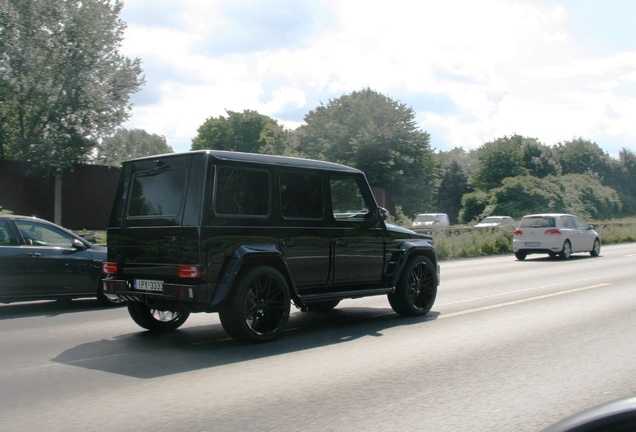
(6, 238)
(242, 192)
(301, 195)
(347, 201)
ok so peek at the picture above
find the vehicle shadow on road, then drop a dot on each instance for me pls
(48, 308)
(148, 355)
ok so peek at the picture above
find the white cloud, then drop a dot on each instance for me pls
(475, 70)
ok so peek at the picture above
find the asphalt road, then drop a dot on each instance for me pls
(509, 346)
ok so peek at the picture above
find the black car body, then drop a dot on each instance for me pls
(246, 234)
(43, 261)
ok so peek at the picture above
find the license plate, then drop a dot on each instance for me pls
(148, 285)
(533, 244)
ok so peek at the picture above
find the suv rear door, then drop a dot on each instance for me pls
(156, 198)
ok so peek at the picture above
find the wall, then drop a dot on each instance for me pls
(88, 192)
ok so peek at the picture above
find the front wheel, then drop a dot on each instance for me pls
(596, 249)
(520, 256)
(416, 288)
(156, 320)
(566, 252)
(257, 309)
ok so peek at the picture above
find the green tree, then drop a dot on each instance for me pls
(580, 156)
(453, 182)
(127, 144)
(498, 160)
(248, 131)
(587, 197)
(626, 180)
(539, 159)
(63, 82)
(378, 135)
(474, 205)
(518, 196)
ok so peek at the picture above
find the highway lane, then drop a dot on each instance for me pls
(509, 346)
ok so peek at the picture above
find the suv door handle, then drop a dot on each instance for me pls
(34, 254)
(288, 242)
(341, 242)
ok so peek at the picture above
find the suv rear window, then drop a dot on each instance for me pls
(157, 194)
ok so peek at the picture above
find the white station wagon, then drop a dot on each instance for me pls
(554, 234)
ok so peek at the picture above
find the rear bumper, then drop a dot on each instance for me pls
(177, 297)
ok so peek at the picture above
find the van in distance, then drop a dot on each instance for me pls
(247, 235)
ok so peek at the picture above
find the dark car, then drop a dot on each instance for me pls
(246, 235)
(42, 261)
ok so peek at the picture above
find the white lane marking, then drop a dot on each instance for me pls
(517, 291)
(510, 303)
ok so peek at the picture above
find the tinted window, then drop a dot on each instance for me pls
(157, 194)
(242, 192)
(6, 239)
(347, 200)
(301, 195)
(37, 234)
(537, 222)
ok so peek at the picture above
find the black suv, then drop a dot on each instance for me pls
(246, 235)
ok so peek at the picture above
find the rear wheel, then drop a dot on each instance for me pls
(566, 252)
(416, 289)
(596, 249)
(257, 309)
(156, 320)
(520, 256)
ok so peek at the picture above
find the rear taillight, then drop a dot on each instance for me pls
(109, 268)
(552, 231)
(518, 232)
(189, 271)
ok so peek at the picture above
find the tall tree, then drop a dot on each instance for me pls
(248, 131)
(581, 156)
(498, 160)
(453, 182)
(378, 135)
(63, 82)
(127, 144)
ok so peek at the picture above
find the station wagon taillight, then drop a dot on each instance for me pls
(109, 268)
(189, 271)
(552, 231)
(518, 232)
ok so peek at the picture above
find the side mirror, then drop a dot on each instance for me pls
(383, 213)
(78, 245)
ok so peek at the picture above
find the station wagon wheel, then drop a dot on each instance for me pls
(257, 309)
(520, 256)
(566, 252)
(596, 249)
(156, 320)
(416, 289)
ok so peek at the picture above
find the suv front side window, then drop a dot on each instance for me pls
(347, 200)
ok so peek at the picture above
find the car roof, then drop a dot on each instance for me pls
(548, 215)
(287, 161)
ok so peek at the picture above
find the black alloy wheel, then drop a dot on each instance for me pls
(416, 289)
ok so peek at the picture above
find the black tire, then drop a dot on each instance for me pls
(257, 309)
(416, 289)
(566, 252)
(156, 320)
(105, 301)
(520, 256)
(322, 306)
(596, 249)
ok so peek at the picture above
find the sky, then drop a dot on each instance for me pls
(472, 71)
